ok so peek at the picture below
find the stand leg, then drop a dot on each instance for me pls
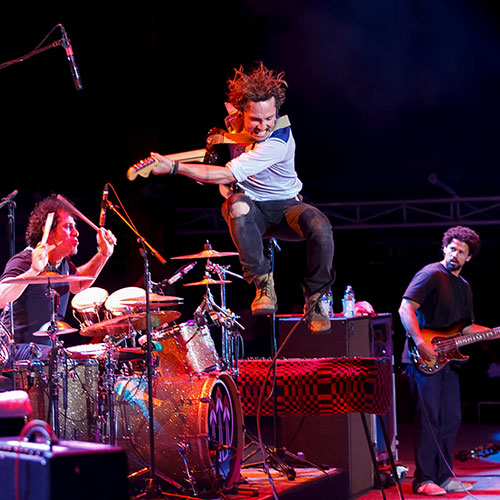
(390, 454)
(373, 456)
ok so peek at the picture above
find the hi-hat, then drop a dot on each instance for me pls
(206, 254)
(61, 329)
(128, 322)
(46, 278)
(208, 281)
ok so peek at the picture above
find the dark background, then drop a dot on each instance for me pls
(381, 95)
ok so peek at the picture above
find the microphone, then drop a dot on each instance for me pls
(181, 272)
(8, 198)
(104, 206)
(71, 59)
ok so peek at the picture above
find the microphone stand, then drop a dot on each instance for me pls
(11, 206)
(152, 488)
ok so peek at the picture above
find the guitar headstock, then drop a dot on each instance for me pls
(142, 168)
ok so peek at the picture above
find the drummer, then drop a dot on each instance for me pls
(49, 252)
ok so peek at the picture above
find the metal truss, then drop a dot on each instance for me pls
(472, 211)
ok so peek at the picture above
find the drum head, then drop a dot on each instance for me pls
(86, 351)
(91, 298)
(114, 302)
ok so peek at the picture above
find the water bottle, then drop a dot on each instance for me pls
(327, 303)
(348, 302)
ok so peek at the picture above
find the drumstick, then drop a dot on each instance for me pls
(46, 228)
(77, 212)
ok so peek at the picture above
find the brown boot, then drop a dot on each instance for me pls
(317, 319)
(265, 301)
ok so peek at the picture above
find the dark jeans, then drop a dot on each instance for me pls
(437, 420)
(288, 220)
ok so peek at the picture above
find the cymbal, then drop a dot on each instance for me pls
(61, 329)
(207, 281)
(46, 278)
(154, 298)
(206, 254)
(123, 324)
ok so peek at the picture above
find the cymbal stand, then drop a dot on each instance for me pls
(54, 375)
(108, 380)
(229, 341)
(152, 486)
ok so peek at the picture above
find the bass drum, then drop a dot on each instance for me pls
(198, 428)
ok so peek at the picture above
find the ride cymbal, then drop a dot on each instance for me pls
(206, 254)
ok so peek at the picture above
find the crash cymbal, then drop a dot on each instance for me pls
(62, 328)
(125, 323)
(46, 278)
(206, 254)
(208, 281)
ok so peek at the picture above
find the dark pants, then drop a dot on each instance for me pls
(288, 220)
(437, 421)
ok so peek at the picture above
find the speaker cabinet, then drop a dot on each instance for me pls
(335, 440)
(69, 469)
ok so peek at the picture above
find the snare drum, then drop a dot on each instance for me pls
(185, 349)
(89, 306)
(86, 351)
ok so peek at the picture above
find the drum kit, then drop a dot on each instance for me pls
(99, 391)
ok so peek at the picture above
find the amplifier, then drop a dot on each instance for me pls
(69, 469)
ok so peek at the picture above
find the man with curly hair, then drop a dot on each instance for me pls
(30, 304)
(438, 299)
(265, 201)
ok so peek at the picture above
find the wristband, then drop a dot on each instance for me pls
(175, 167)
(107, 255)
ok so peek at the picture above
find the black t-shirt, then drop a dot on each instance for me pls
(32, 309)
(445, 299)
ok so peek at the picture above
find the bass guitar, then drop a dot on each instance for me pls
(446, 344)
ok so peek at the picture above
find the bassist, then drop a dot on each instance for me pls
(437, 298)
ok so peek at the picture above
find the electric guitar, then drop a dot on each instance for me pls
(208, 155)
(446, 345)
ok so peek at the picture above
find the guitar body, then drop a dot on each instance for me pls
(445, 344)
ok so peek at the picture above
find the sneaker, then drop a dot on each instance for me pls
(317, 319)
(430, 489)
(454, 486)
(265, 301)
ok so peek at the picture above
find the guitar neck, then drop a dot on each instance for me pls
(474, 337)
